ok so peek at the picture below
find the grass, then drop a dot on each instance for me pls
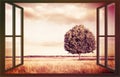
(58, 65)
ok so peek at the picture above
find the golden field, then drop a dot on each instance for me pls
(58, 65)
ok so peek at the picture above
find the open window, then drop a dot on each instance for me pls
(106, 36)
(13, 36)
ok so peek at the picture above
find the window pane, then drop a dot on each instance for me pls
(102, 21)
(111, 52)
(18, 50)
(102, 50)
(8, 19)
(8, 53)
(111, 19)
(18, 21)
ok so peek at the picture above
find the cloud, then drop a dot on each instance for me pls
(51, 43)
(30, 13)
(60, 12)
(65, 14)
(90, 5)
(45, 43)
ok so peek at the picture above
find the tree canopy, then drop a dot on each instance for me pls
(79, 40)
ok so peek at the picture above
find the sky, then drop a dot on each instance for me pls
(45, 25)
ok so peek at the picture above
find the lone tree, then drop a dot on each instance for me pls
(79, 40)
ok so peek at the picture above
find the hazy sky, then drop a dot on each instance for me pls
(45, 25)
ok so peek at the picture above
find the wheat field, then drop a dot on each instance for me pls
(58, 66)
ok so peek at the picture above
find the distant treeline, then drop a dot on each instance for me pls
(61, 56)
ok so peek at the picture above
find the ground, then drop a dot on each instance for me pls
(58, 65)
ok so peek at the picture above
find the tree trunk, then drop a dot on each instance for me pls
(79, 56)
